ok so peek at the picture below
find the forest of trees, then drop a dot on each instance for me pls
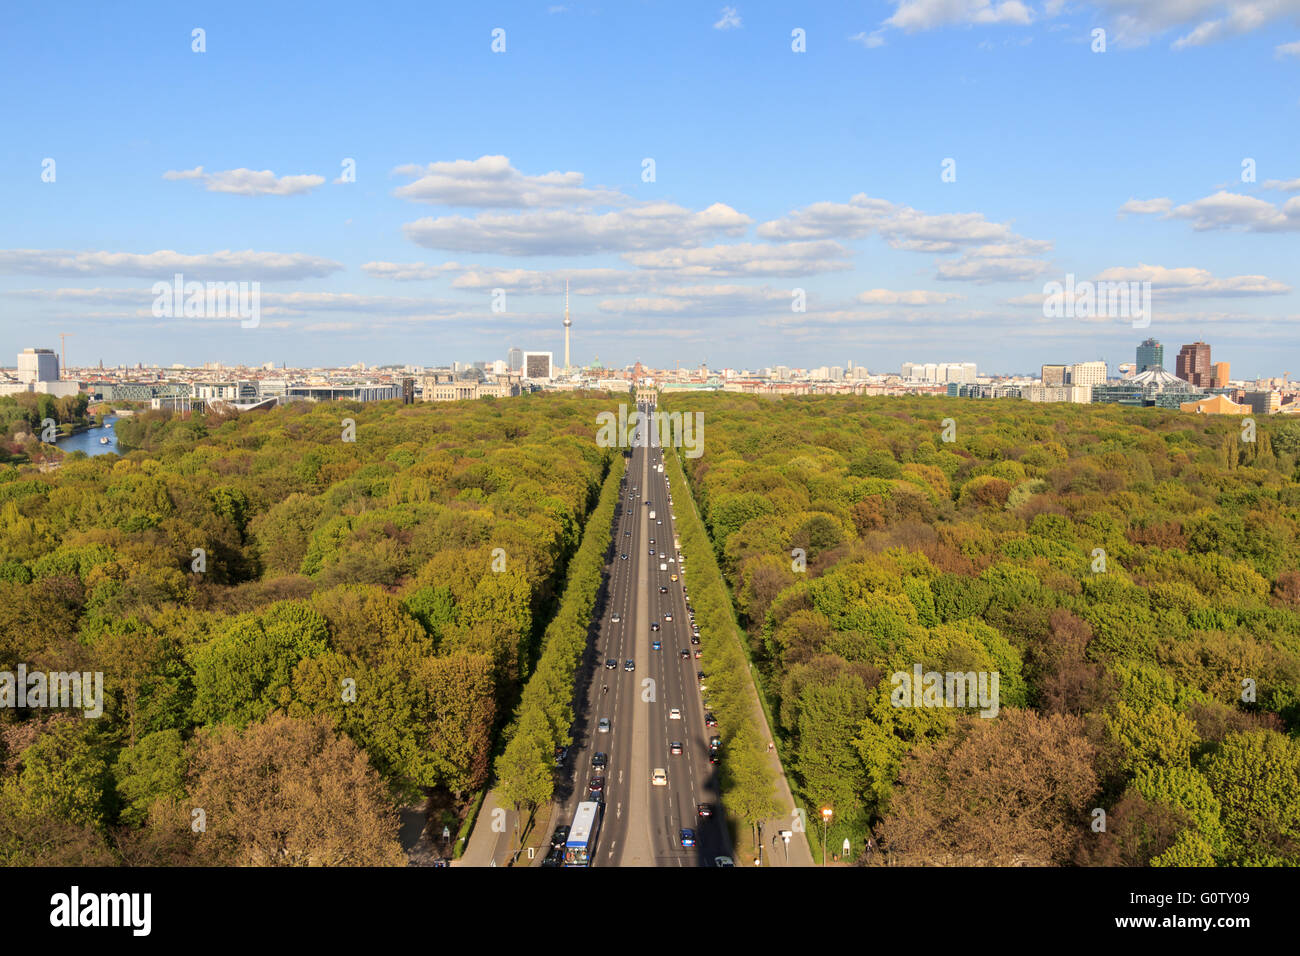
(1132, 576)
(21, 416)
(299, 633)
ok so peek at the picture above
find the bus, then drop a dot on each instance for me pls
(583, 832)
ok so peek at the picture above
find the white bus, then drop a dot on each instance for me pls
(580, 846)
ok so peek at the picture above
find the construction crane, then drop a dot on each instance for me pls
(63, 353)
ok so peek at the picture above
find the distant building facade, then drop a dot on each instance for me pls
(1193, 364)
(1150, 354)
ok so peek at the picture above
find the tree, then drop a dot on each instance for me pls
(151, 769)
(1256, 777)
(995, 792)
(289, 792)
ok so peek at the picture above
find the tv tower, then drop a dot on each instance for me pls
(567, 323)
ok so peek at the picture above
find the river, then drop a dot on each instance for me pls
(88, 441)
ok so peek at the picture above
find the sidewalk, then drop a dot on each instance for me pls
(774, 854)
(489, 847)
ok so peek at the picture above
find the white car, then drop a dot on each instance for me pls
(616, 618)
(674, 714)
(603, 725)
(659, 778)
(668, 617)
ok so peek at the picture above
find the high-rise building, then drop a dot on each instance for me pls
(539, 365)
(1194, 364)
(38, 365)
(567, 322)
(1053, 375)
(515, 359)
(1220, 375)
(1150, 354)
(1088, 373)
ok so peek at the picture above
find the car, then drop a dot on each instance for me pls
(675, 747)
(652, 540)
(627, 533)
(715, 742)
(602, 725)
(686, 655)
(704, 810)
(695, 638)
(560, 836)
(554, 858)
(656, 645)
(714, 756)
(687, 837)
(668, 617)
(629, 665)
(660, 521)
(698, 654)
(659, 778)
(662, 555)
(654, 625)
(597, 785)
(710, 720)
(723, 861)
(674, 714)
(599, 760)
(623, 556)
(674, 578)
(615, 617)
(610, 664)
(560, 754)
(652, 552)
(699, 675)
(663, 589)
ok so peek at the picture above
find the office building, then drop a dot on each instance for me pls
(1193, 364)
(539, 366)
(515, 359)
(1150, 354)
(1219, 378)
(1053, 375)
(1087, 373)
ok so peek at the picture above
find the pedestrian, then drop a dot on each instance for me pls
(770, 746)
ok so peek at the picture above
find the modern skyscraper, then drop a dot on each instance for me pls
(1194, 364)
(1220, 375)
(1087, 373)
(515, 359)
(38, 365)
(1150, 354)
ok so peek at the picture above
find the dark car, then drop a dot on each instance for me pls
(597, 784)
(715, 755)
(686, 655)
(623, 556)
(662, 589)
(710, 720)
(559, 837)
(599, 760)
(629, 665)
(610, 664)
(700, 676)
(555, 857)
(705, 809)
(687, 836)
(695, 638)
(654, 625)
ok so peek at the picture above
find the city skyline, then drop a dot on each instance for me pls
(939, 213)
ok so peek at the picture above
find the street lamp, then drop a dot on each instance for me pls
(827, 813)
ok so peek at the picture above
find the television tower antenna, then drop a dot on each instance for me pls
(63, 353)
(567, 322)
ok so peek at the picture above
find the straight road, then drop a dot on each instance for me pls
(642, 823)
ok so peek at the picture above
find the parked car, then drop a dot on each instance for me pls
(705, 809)
(560, 754)
(559, 837)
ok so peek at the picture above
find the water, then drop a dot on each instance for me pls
(88, 441)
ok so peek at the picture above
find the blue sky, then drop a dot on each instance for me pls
(774, 170)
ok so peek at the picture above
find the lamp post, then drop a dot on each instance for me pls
(827, 813)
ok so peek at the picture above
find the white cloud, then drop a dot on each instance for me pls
(914, 297)
(1189, 281)
(247, 265)
(1288, 49)
(1136, 22)
(491, 182)
(406, 271)
(903, 226)
(869, 40)
(747, 259)
(1285, 185)
(730, 20)
(914, 15)
(248, 182)
(1225, 210)
(973, 267)
(565, 232)
(1145, 206)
